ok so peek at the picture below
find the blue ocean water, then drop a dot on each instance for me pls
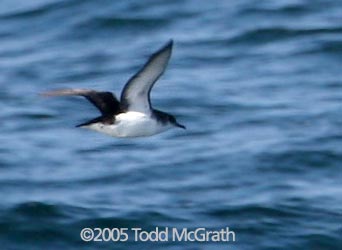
(257, 83)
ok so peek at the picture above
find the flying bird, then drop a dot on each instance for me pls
(133, 115)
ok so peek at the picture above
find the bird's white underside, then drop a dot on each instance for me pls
(130, 124)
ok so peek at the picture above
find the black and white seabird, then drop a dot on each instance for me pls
(133, 116)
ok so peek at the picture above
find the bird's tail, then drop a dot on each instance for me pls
(102, 119)
(92, 121)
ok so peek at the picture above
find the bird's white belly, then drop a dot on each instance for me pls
(130, 124)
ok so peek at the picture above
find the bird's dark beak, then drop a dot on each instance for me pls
(180, 125)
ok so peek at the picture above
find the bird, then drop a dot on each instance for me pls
(133, 115)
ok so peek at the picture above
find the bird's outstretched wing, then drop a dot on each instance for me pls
(106, 102)
(135, 95)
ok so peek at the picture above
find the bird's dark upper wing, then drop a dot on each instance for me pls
(136, 94)
(106, 102)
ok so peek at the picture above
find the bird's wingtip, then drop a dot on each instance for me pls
(168, 45)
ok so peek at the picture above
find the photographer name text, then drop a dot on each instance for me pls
(158, 234)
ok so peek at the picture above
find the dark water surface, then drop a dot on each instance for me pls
(257, 83)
